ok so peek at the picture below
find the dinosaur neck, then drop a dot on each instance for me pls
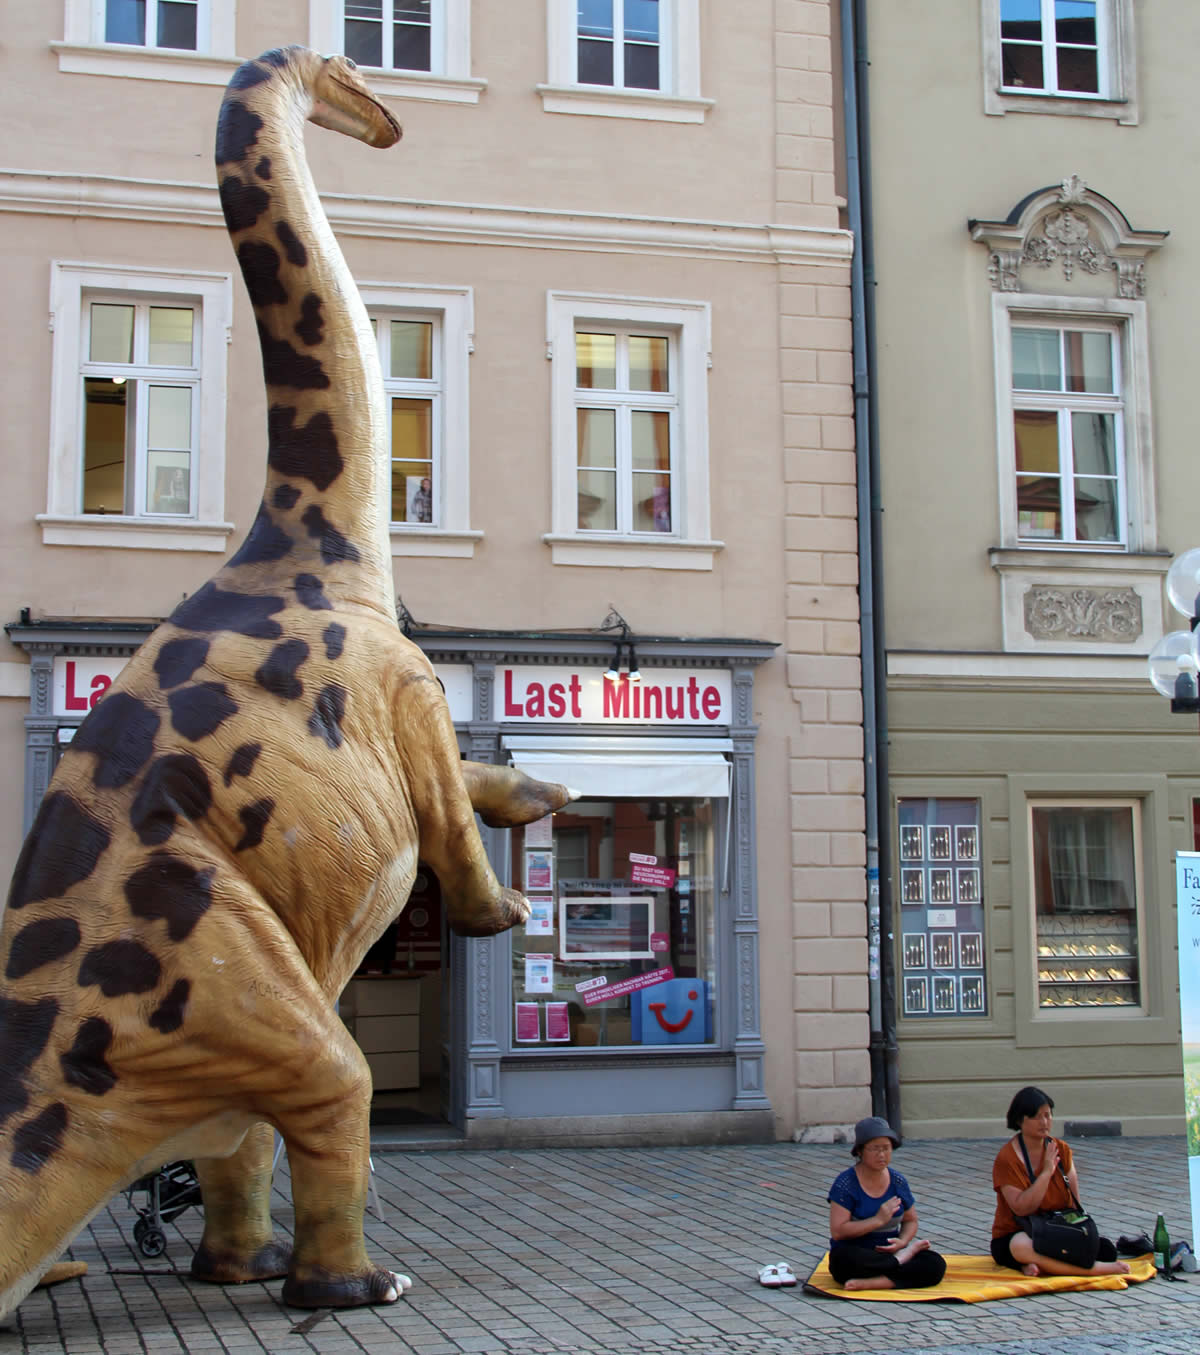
(326, 505)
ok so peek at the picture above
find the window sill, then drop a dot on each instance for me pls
(626, 552)
(1001, 101)
(433, 541)
(429, 88)
(143, 63)
(128, 533)
(592, 101)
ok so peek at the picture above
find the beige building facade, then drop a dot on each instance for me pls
(608, 272)
(1033, 249)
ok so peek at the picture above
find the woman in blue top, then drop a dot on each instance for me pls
(873, 1240)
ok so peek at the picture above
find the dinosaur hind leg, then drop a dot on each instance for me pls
(504, 797)
(239, 1243)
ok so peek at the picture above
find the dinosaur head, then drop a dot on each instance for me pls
(343, 103)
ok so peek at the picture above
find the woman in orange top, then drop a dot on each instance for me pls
(1018, 1196)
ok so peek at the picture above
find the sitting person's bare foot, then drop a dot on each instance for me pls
(1031, 1270)
(1111, 1268)
(908, 1252)
(874, 1282)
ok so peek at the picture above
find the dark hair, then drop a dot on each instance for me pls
(1028, 1101)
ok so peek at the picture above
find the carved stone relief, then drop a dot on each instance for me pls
(1105, 615)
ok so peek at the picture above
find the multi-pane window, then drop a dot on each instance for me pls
(410, 355)
(619, 43)
(394, 35)
(625, 416)
(171, 24)
(1086, 872)
(1053, 46)
(141, 383)
(1067, 434)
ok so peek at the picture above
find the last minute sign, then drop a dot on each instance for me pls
(567, 695)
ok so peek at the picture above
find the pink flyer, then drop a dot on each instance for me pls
(528, 1026)
(558, 1026)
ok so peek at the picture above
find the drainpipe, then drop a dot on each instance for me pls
(881, 976)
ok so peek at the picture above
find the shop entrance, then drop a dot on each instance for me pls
(398, 1009)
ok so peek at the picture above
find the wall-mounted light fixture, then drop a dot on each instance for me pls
(614, 621)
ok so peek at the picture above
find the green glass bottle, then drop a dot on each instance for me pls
(1162, 1246)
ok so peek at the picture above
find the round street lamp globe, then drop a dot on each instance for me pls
(1183, 583)
(1173, 661)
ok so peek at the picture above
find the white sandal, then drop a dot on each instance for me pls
(777, 1276)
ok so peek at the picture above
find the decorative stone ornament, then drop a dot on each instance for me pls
(1070, 226)
(1105, 615)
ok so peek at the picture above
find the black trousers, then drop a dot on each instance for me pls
(922, 1271)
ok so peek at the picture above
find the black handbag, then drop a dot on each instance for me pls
(1068, 1235)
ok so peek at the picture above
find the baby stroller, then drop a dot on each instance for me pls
(168, 1191)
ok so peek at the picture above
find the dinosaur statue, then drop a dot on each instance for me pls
(242, 814)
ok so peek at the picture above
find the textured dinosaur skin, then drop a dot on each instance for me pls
(242, 814)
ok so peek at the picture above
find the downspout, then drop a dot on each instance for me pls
(881, 976)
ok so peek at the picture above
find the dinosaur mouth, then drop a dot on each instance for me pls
(382, 128)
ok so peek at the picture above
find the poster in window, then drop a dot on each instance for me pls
(912, 885)
(966, 842)
(916, 996)
(941, 945)
(170, 490)
(941, 885)
(418, 498)
(968, 884)
(970, 951)
(939, 842)
(606, 928)
(539, 870)
(914, 950)
(912, 842)
(945, 996)
(527, 1023)
(558, 1023)
(970, 993)
(540, 921)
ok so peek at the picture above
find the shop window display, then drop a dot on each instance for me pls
(620, 947)
(941, 908)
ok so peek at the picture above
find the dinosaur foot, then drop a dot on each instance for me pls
(268, 1263)
(320, 1289)
(498, 914)
(62, 1270)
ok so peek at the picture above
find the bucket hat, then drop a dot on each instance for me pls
(874, 1127)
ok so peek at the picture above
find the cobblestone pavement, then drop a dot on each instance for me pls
(624, 1251)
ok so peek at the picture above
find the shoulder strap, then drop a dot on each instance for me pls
(1066, 1179)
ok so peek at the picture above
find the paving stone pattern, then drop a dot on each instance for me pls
(644, 1251)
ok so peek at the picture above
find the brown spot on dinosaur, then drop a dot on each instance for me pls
(194, 833)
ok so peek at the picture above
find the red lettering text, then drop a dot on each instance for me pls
(576, 690)
(711, 701)
(693, 688)
(74, 702)
(557, 700)
(616, 699)
(535, 700)
(511, 707)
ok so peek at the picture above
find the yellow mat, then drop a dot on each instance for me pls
(976, 1279)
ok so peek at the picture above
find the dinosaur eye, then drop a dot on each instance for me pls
(353, 65)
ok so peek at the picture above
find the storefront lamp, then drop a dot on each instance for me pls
(1175, 661)
(615, 621)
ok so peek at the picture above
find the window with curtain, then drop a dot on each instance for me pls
(1067, 413)
(625, 415)
(1086, 874)
(410, 355)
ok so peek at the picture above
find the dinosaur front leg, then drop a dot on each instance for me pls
(504, 797)
(239, 1243)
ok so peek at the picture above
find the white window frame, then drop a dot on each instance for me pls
(1118, 97)
(1127, 318)
(72, 286)
(84, 51)
(1063, 405)
(449, 81)
(453, 310)
(678, 99)
(1136, 808)
(689, 324)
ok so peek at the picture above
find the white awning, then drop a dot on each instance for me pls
(610, 768)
